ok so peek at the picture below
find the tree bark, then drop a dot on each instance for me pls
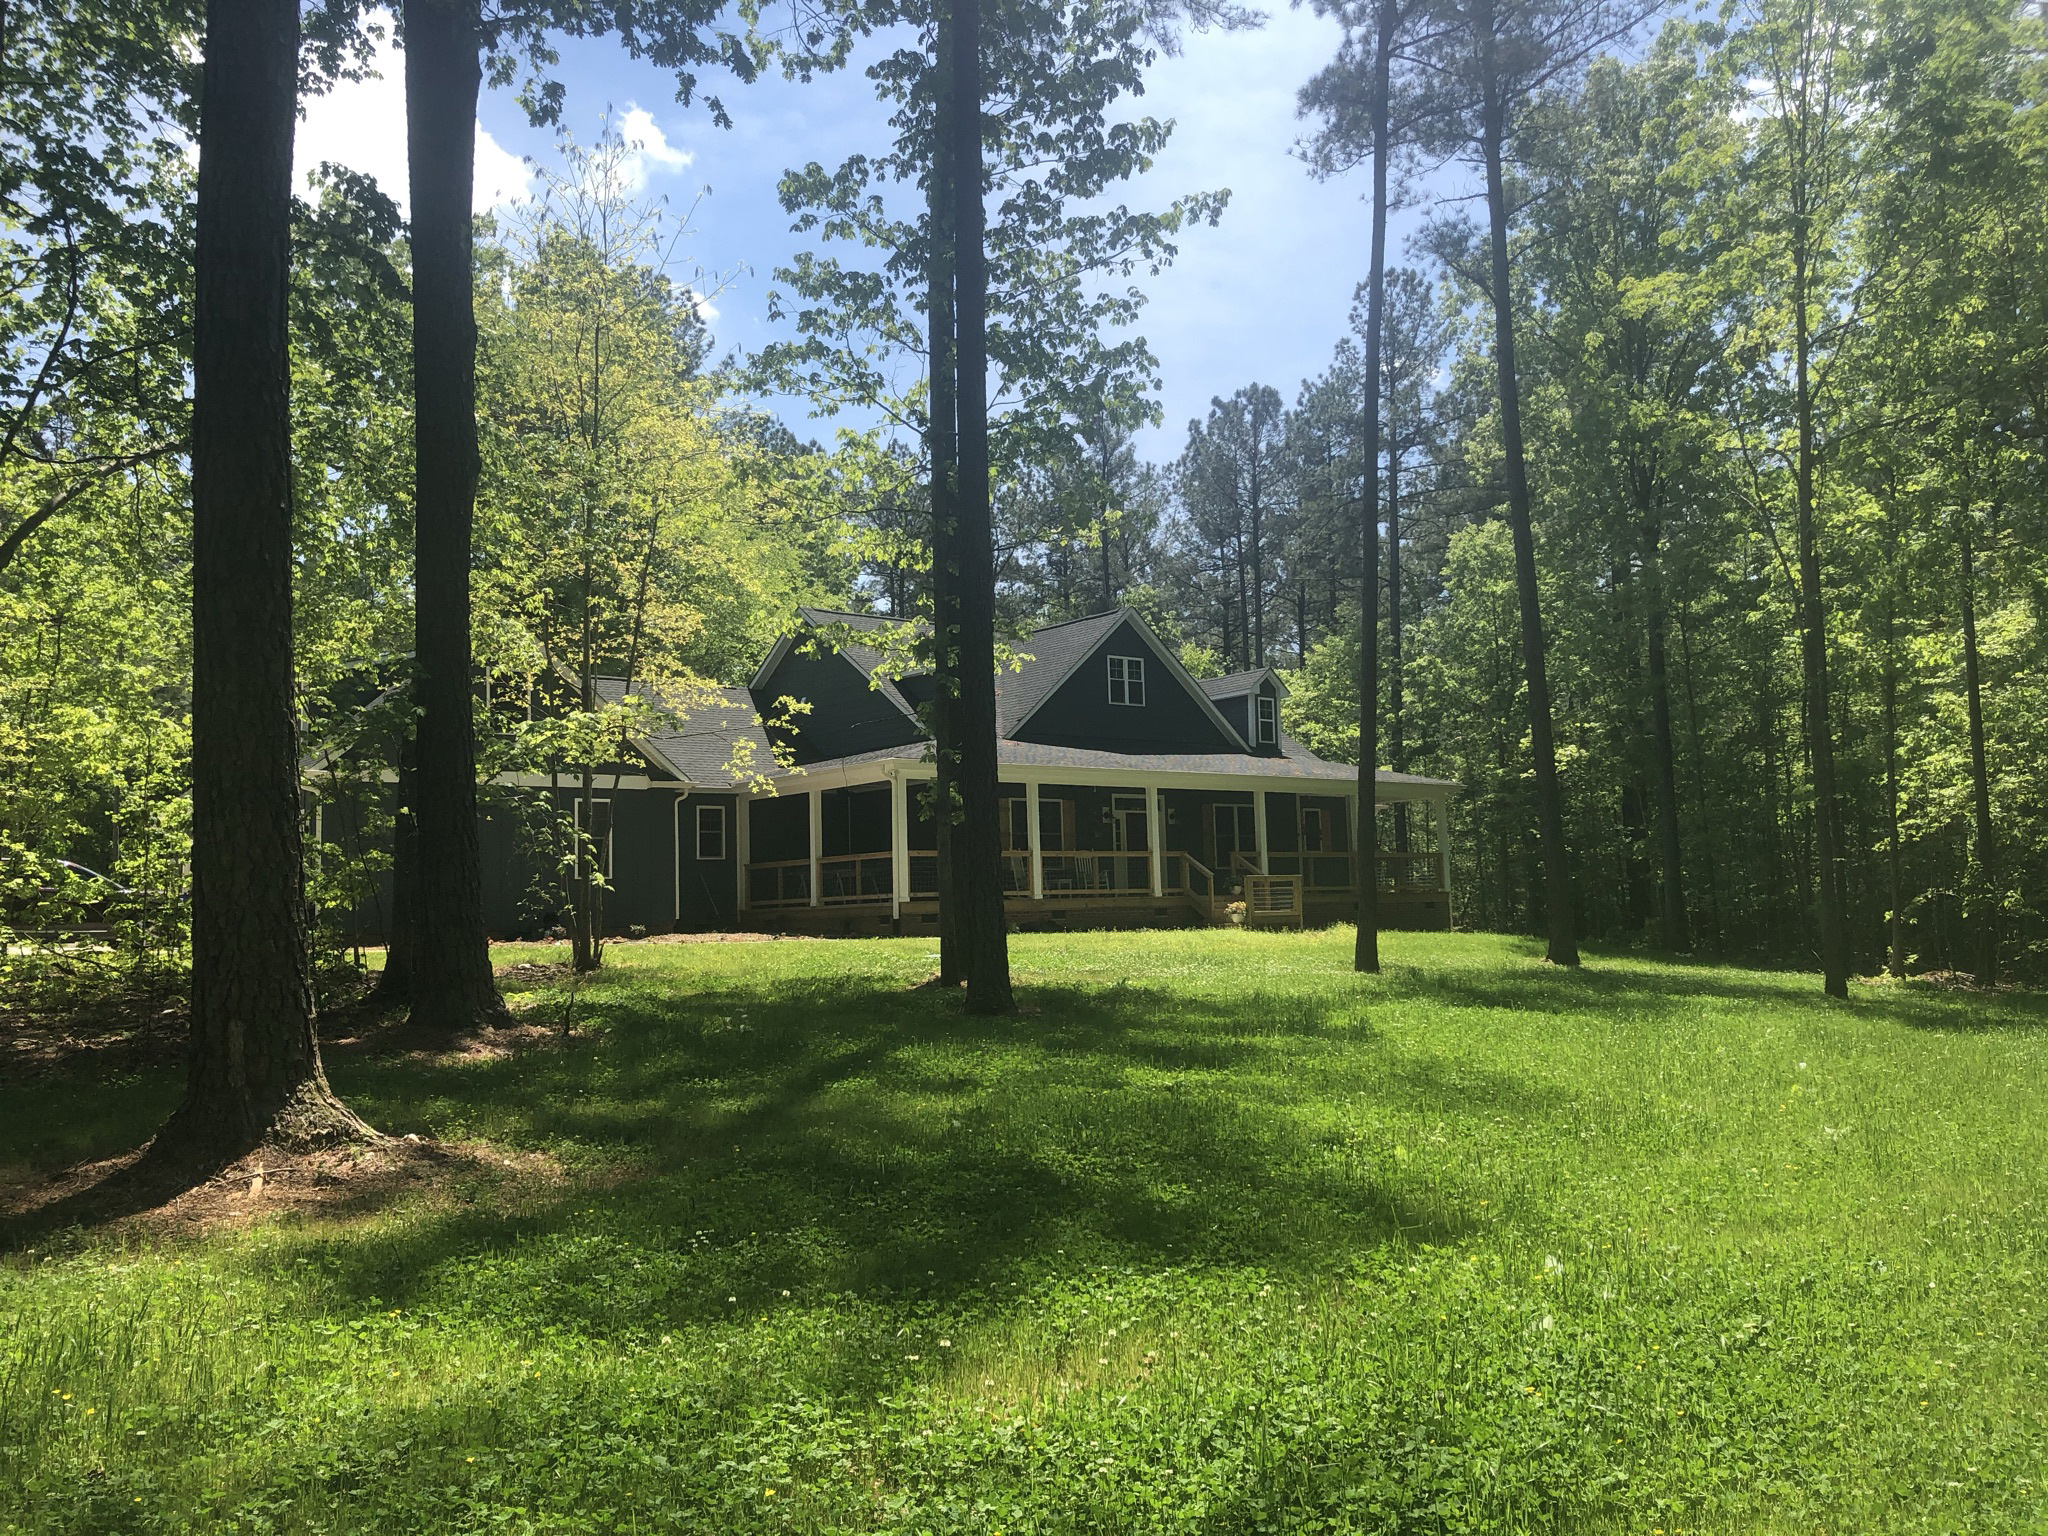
(1980, 775)
(983, 927)
(1397, 740)
(1365, 955)
(1563, 947)
(452, 986)
(944, 449)
(254, 1071)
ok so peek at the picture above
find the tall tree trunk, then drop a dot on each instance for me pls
(1397, 741)
(1673, 931)
(944, 450)
(394, 982)
(452, 986)
(984, 927)
(1813, 648)
(1563, 948)
(1895, 950)
(254, 1067)
(1366, 951)
(1980, 776)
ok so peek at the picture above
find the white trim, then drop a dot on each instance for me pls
(899, 843)
(1260, 719)
(676, 850)
(724, 834)
(1259, 827)
(742, 843)
(1172, 662)
(1261, 675)
(1111, 680)
(817, 798)
(1440, 819)
(876, 770)
(1035, 836)
(1154, 841)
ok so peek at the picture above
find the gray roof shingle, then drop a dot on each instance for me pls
(1055, 651)
(715, 727)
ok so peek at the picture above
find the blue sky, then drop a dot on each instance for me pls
(1260, 298)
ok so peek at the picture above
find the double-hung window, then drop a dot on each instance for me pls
(1269, 721)
(1127, 680)
(710, 834)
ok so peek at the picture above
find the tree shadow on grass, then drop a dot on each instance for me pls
(849, 1137)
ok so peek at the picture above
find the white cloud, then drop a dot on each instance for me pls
(361, 124)
(647, 146)
(501, 176)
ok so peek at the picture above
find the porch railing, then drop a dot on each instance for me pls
(867, 878)
(779, 883)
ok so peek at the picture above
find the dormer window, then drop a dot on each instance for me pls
(1269, 721)
(1127, 680)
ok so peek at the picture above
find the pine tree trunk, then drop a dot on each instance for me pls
(984, 927)
(253, 1071)
(1980, 775)
(1813, 653)
(944, 450)
(452, 986)
(1366, 951)
(1563, 948)
(1397, 741)
(394, 982)
(1895, 954)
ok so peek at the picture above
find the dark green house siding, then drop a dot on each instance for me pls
(1079, 714)
(845, 716)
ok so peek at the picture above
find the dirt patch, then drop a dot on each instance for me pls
(333, 1183)
(109, 1035)
(710, 938)
(533, 973)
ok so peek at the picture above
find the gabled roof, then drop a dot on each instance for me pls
(1242, 682)
(1056, 650)
(716, 725)
(864, 659)
(1074, 642)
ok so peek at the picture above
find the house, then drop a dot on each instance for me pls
(1133, 795)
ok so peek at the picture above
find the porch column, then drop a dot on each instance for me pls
(899, 842)
(1155, 843)
(742, 817)
(1259, 827)
(1440, 823)
(1361, 871)
(817, 841)
(1035, 838)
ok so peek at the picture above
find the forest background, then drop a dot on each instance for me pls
(1675, 210)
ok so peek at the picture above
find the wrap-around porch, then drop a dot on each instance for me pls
(853, 850)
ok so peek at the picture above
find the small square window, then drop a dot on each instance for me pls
(710, 834)
(1269, 721)
(1127, 680)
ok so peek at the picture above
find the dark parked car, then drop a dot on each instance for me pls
(77, 898)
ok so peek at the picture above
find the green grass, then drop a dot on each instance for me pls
(1216, 1238)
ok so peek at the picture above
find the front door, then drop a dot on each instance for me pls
(1134, 872)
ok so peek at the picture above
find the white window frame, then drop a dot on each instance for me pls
(724, 841)
(610, 829)
(1127, 673)
(1314, 816)
(1267, 713)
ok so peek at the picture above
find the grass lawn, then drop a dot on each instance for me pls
(1215, 1238)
